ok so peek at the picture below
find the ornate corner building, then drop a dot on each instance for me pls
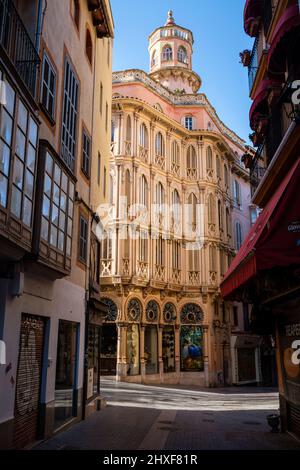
(180, 202)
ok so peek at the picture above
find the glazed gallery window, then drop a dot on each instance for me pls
(18, 157)
(151, 349)
(133, 349)
(188, 123)
(66, 372)
(48, 87)
(57, 209)
(168, 348)
(69, 116)
(191, 348)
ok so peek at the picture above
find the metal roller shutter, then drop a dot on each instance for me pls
(294, 419)
(28, 380)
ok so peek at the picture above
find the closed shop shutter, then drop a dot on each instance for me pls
(293, 419)
(28, 380)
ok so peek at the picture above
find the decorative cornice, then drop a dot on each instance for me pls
(200, 99)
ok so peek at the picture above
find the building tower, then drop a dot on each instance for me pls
(171, 51)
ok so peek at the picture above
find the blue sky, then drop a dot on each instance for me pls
(219, 37)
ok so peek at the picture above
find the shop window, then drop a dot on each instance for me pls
(151, 349)
(66, 372)
(108, 349)
(133, 349)
(191, 348)
(168, 349)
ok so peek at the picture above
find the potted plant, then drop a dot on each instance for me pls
(245, 57)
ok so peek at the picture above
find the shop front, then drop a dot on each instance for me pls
(288, 336)
(245, 359)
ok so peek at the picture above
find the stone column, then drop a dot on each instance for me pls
(160, 354)
(205, 354)
(142, 353)
(177, 351)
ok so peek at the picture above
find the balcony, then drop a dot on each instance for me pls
(16, 42)
(258, 169)
(253, 65)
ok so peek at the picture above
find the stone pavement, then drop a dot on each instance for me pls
(177, 418)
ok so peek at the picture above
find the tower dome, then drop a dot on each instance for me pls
(171, 51)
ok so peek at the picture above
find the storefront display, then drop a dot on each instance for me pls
(66, 371)
(191, 345)
(151, 349)
(108, 349)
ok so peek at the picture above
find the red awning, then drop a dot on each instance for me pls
(260, 98)
(274, 240)
(276, 56)
(252, 10)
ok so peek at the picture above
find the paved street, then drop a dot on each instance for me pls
(177, 418)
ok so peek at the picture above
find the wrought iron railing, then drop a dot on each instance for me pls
(17, 44)
(258, 169)
(253, 66)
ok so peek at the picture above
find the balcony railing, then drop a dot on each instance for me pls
(253, 66)
(17, 44)
(258, 169)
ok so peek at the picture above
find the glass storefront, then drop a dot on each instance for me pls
(66, 372)
(133, 349)
(151, 349)
(191, 348)
(168, 348)
(108, 349)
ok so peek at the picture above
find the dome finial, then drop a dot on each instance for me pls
(170, 19)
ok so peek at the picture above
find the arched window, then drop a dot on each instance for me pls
(209, 159)
(238, 235)
(212, 259)
(167, 53)
(160, 194)
(191, 161)
(89, 46)
(228, 223)
(175, 254)
(182, 55)
(143, 247)
(128, 187)
(192, 201)
(143, 191)
(154, 59)
(159, 144)
(128, 129)
(226, 176)
(76, 13)
(188, 122)
(160, 251)
(220, 216)
(219, 175)
(237, 193)
(175, 157)
(144, 136)
(128, 137)
(111, 189)
(176, 211)
(211, 209)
